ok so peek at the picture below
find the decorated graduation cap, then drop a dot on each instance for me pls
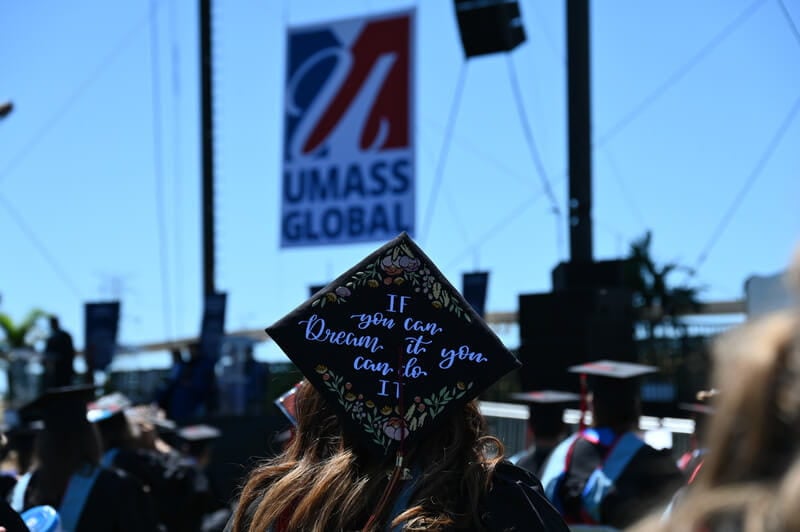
(60, 408)
(393, 347)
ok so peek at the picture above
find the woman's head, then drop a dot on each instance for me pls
(750, 478)
(327, 476)
(754, 434)
(320, 435)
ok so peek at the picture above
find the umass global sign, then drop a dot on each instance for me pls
(348, 155)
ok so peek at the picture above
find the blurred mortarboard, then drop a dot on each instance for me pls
(199, 433)
(613, 369)
(702, 406)
(546, 397)
(150, 415)
(392, 346)
(117, 403)
(697, 408)
(613, 376)
(611, 382)
(14, 424)
(107, 406)
(286, 403)
(60, 408)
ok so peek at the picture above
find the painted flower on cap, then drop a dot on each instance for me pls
(395, 428)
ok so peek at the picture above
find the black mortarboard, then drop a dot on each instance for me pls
(613, 377)
(546, 397)
(107, 406)
(613, 369)
(60, 408)
(393, 346)
(199, 433)
(546, 409)
(612, 382)
(697, 408)
(286, 403)
(198, 438)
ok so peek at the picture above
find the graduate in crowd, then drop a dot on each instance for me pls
(68, 475)
(10, 520)
(208, 512)
(607, 474)
(702, 411)
(166, 475)
(59, 354)
(750, 479)
(389, 434)
(546, 423)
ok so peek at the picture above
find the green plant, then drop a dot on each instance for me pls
(22, 334)
(657, 299)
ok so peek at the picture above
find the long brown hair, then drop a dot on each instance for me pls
(325, 480)
(751, 475)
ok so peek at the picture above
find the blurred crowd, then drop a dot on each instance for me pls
(103, 463)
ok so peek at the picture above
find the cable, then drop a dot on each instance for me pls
(526, 204)
(158, 170)
(537, 160)
(678, 74)
(448, 135)
(623, 187)
(177, 167)
(476, 150)
(790, 21)
(551, 41)
(751, 179)
(40, 247)
(72, 99)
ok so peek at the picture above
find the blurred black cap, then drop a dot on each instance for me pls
(59, 408)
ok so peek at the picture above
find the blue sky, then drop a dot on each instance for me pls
(691, 102)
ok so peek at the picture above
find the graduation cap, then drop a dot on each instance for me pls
(199, 433)
(60, 408)
(150, 415)
(286, 403)
(107, 406)
(697, 408)
(546, 397)
(393, 347)
(198, 438)
(14, 424)
(611, 382)
(546, 409)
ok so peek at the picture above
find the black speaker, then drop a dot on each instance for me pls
(489, 26)
(562, 329)
(596, 274)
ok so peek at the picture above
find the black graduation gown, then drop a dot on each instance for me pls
(533, 458)
(116, 503)
(10, 519)
(650, 479)
(515, 503)
(181, 491)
